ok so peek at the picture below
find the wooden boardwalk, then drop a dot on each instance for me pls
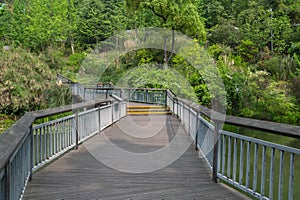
(79, 175)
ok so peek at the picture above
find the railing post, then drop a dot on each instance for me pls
(7, 173)
(84, 94)
(166, 97)
(99, 118)
(77, 134)
(31, 152)
(77, 89)
(112, 113)
(189, 120)
(217, 125)
(146, 97)
(197, 130)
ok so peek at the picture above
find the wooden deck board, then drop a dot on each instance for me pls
(78, 175)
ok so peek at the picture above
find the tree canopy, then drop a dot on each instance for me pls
(255, 44)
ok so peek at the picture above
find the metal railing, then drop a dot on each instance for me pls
(93, 93)
(242, 158)
(145, 95)
(26, 147)
(141, 95)
(239, 160)
(249, 164)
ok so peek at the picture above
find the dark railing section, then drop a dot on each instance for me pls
(145, 95)
(25, 147)
(104, 91)
(94, 93)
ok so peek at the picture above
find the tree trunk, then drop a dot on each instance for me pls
(72, 46)
(173, 43)
(165, 53)
(166, 58)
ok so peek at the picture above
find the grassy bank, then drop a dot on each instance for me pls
(6, 122)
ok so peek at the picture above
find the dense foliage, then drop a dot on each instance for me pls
(254, 44)
(27, 83)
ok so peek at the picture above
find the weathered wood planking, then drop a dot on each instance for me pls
(78, 175)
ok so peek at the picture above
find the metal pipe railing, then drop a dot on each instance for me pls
(26, 147)
(246, 163)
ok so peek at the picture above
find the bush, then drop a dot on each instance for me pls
(25, 82)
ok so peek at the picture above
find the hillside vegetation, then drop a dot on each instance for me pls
(254, 44)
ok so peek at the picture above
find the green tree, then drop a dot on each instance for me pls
(177, 15)
(265, 27)
(99, 20)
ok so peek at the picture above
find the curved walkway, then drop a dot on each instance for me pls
(79, 175)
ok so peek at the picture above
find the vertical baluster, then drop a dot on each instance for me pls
(36, 147)
(248, 164)
(263, 172)
(189, 122)
(66, 132)
(12, 179)
(280, 174)
(241, 162)
(215, 141)
(234, 159)
(63, 134)
(291, 178)
(45, 142)
(17, 172)
(76, 130)
(21, 167)
(255, 167)
(99, 118)
(50, 140)
(229, 158)
(41, 145)
(223, 153)
(31, 151)
(219, 154)
(272, 160)
(59, 136)
(69, 132)
(55, 138)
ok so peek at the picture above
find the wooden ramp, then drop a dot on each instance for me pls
(79, 175)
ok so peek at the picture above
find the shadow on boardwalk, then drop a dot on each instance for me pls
(78, 175)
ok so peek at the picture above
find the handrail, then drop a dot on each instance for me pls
(16, 143)
(230, 154)
(262, 125)
(12, 137)
(218, 150)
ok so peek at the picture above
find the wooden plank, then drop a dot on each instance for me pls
(78, 175)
